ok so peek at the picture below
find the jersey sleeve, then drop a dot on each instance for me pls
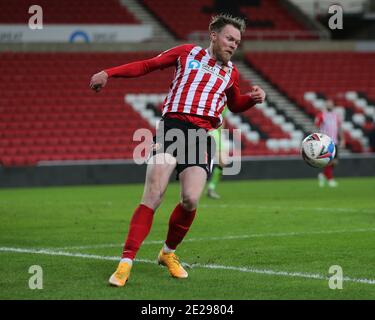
(319, 119)
(164, 60)
(237, 102)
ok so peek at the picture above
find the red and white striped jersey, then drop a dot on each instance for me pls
(201, 87)
(329, 123)
(199, 84)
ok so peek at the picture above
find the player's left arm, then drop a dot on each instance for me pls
(238, 102)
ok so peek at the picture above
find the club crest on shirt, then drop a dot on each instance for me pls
(194, 64)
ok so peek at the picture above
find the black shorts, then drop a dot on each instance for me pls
(189, 144)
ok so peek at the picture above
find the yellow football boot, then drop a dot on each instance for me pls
(121, 275)
(171, 261)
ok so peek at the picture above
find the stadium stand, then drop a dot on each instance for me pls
(267, 20)
(68, 12)
(48, 112)
(308, 78)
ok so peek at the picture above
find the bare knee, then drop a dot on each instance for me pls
(190, 201)
(152, 199)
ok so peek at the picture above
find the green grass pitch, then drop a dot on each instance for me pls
(263, 240)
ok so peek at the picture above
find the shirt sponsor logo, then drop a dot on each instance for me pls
(213, 70)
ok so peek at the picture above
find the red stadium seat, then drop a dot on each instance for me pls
(332, 74)
(68, 12)
(185, 18)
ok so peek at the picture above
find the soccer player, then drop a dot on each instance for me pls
(329, 123)
(205, 81)
(222, 153)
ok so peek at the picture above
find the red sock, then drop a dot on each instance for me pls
(140, 226)
(328, 172)
(179, 224)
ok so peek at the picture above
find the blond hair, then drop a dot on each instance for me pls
(219, 21)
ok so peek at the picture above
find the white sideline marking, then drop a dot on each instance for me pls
(235, 237)
(364, 210)
(221, 206)
(198, 265)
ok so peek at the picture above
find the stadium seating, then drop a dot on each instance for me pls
(48, 112)
(67, 12)
(277, 135)
(269, 20)
(263, 131)
(308, 78)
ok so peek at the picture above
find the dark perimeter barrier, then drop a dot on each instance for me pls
(126, 171)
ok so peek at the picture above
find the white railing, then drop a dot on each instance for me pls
(315, 8)
(268, 35)
(348, 6)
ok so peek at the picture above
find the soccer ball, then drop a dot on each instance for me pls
(318, 150)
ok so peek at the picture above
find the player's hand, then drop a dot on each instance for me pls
(258, 94)
(98, 81)
(342, 144)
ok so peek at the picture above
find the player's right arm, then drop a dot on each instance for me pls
(238, 102)
(139, 68)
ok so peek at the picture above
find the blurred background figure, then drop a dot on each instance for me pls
(222, 145)
(372, 140)
(328, 122)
